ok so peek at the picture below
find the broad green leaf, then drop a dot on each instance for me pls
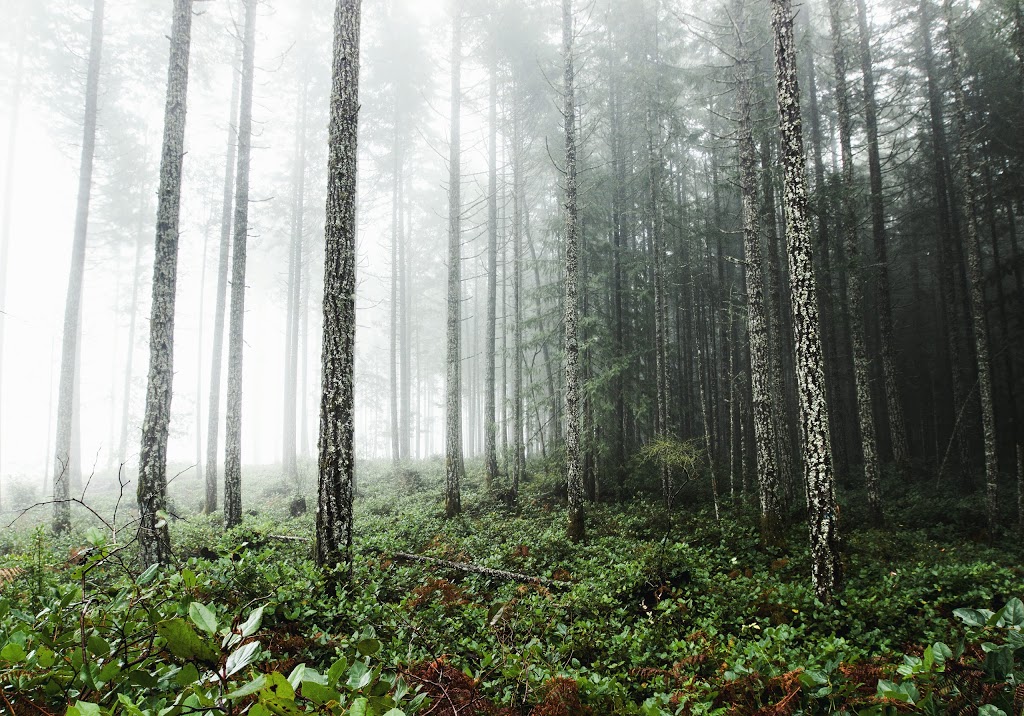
(279, 687)
(990, 710)
(338, 668)
(45, 657)
(130, 708)
(203, 617)
(95, 536)
(318, 693)
(259, 710)
(187, 676)
(395, 712)
(360, 707)
(941, 652)
(1013, 613)
(83, 708)
(368, 647)
(241, 657)
(251, 688)
(251, 625)
(970, 617)
(359, 675)
(183, 641)
(13, 652)
(147, 576)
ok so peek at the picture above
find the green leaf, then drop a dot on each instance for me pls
(183, 641)
(252, 624)
(359, 676)
(260, 710)
(970, 617)
(338, 668)
(13, 652)
(318, 693)
(95, 536)
(990, 710)
(360, 707)
(395, 712)
(368, 647)
(251, 688)
(187, 676)
(147, 576)
(1013, 613)
(279, 687)
(83, 708)
(203, 617)
(241, 657)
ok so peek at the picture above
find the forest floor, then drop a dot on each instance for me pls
(655, 613)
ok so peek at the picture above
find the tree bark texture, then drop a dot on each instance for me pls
(66, 403)
(154, 538)
(854, 273)
(490, 426)
(453, 466)
(979, 323)
(573, 388)
(337, 403)
(213, 414)
(236, 328)
(814, 424)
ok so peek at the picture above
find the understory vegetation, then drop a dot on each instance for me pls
(656, 613)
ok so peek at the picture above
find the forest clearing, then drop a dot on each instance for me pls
(507, 357)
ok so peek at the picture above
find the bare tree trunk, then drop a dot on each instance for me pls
(855, 280)
(897, 426)
(757, 323)
(122, 450)
(814, 426)
(66, 404)
(291, 377)
(518, 208)
(8, 208)
(453, 376)
(213, 416)
(154, 538)
(396, 238)
(573, 389)
(979, 323)
(337, 404)
(236, 330)
(490, 428)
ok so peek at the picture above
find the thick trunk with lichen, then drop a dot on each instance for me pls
(896, 424)
(757, 323)
(154, 539)
(453, 466)
(854, 274)
(814, 424)
(573, 389)
(236, 330)
(65, 455)
(337, 402)
(979, 323)
(213, 414)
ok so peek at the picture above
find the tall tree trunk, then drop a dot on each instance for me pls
(979, 323)
(490, 429)
(757, 322)
(236, 331)
(154, 538)
(518, 209)
(122, 450)
(65, 457)
(396, 215)
(453, 376)
(814, 426)
(405, 352)
(213, 414)
(291, 377)
(7, 208)
(897, 426)
(573, 389)
(337, 403)
(855, 279)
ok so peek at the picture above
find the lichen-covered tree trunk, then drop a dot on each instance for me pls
(490, 427)
(453, 466)
(979, 323)
(854, 273)
(896, 424)
(236, 328)
(213, 414)
(757, 323)
(814, 425)
(154, 539)
(65, 455)
(573, 389)
(337, 402)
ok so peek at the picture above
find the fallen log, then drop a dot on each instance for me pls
(475, 569)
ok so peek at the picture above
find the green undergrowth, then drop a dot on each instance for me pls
(654, 613)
